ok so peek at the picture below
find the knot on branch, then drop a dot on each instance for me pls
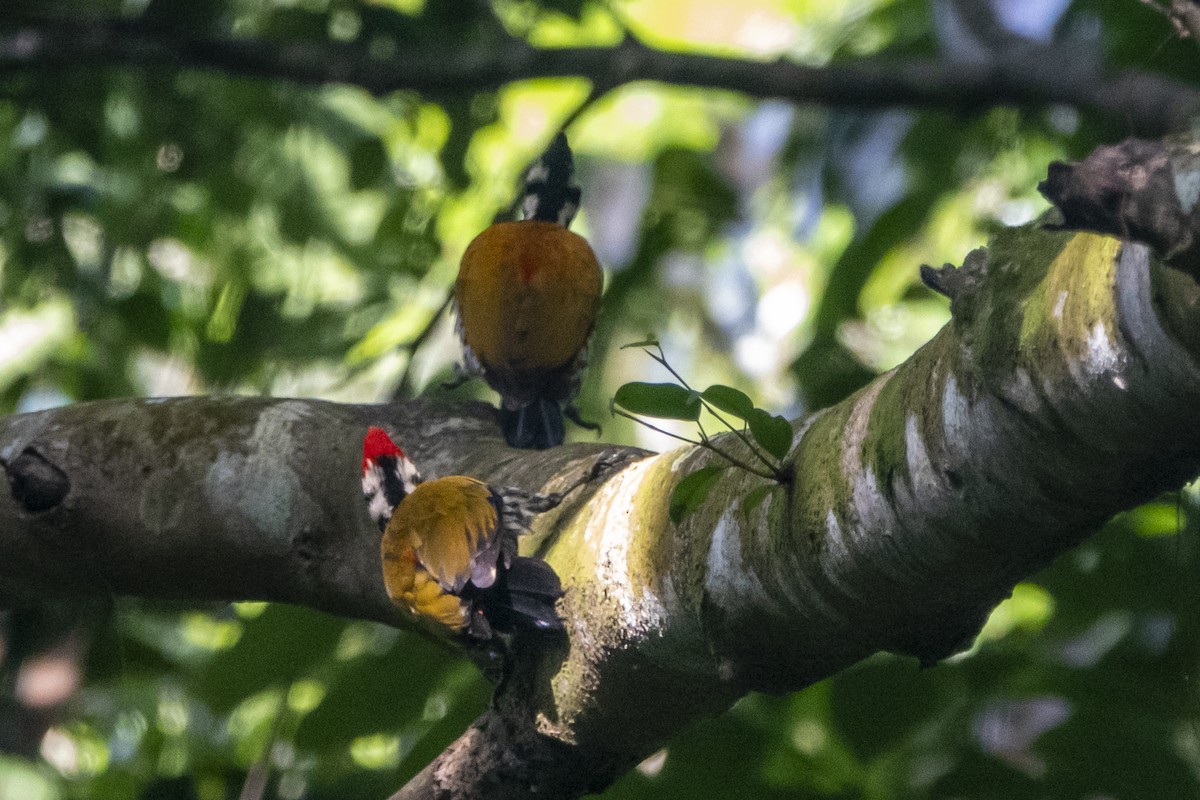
(1137, 190)
(36, 484)
(958, 283)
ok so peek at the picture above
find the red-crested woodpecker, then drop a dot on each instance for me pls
(527, 296)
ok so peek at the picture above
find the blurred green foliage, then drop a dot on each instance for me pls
(171, 230)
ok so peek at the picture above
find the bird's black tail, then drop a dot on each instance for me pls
(526, 600)
(534, 427)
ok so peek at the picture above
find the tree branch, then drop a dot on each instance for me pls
(1032, 75)
(229, 498)
(1184, 16)
(1061, 392)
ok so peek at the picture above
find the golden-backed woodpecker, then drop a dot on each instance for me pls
(527, 296)
(449, 548)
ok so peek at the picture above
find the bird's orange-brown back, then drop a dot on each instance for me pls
(528, 293)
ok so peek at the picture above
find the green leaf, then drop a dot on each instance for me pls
(729, 400)
(754, 498)
(662, 400)
(771, 431)
(691, 492)
(649, 341)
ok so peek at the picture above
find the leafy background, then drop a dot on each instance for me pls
(175, 231)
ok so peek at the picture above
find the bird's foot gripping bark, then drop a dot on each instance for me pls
(537, 503)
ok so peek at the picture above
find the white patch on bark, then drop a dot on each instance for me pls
(21, 429)
(1102, 356)
(609, 533)
(872, 513)
(1187, 187)
(857, 425)
(682, 454)
(928, 489)
(867, 512)
(260, 488)
(835, 543)
(920, 469)
(431, 429)
(1060, 304)
(1018, 390)
(729, 580)
(956, 417)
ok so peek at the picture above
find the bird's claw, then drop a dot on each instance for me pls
(611, 463)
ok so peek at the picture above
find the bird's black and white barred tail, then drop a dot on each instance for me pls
(551, 193)
(531, 586)
(518, 507)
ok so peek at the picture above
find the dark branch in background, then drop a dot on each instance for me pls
(1031, 75)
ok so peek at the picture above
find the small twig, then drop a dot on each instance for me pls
(661, 358)
(641, 421)
(741, 434)
(706, 443)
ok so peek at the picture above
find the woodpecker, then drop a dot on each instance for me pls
(527, 296)
(449, 548)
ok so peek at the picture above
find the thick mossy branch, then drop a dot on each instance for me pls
(1057, 396)
(505, 761)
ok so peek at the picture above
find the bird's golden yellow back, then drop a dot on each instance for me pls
(431, 542)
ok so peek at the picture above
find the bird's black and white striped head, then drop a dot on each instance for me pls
(388, 476)
(551, 194)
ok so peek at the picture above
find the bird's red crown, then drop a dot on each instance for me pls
(377, 443)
